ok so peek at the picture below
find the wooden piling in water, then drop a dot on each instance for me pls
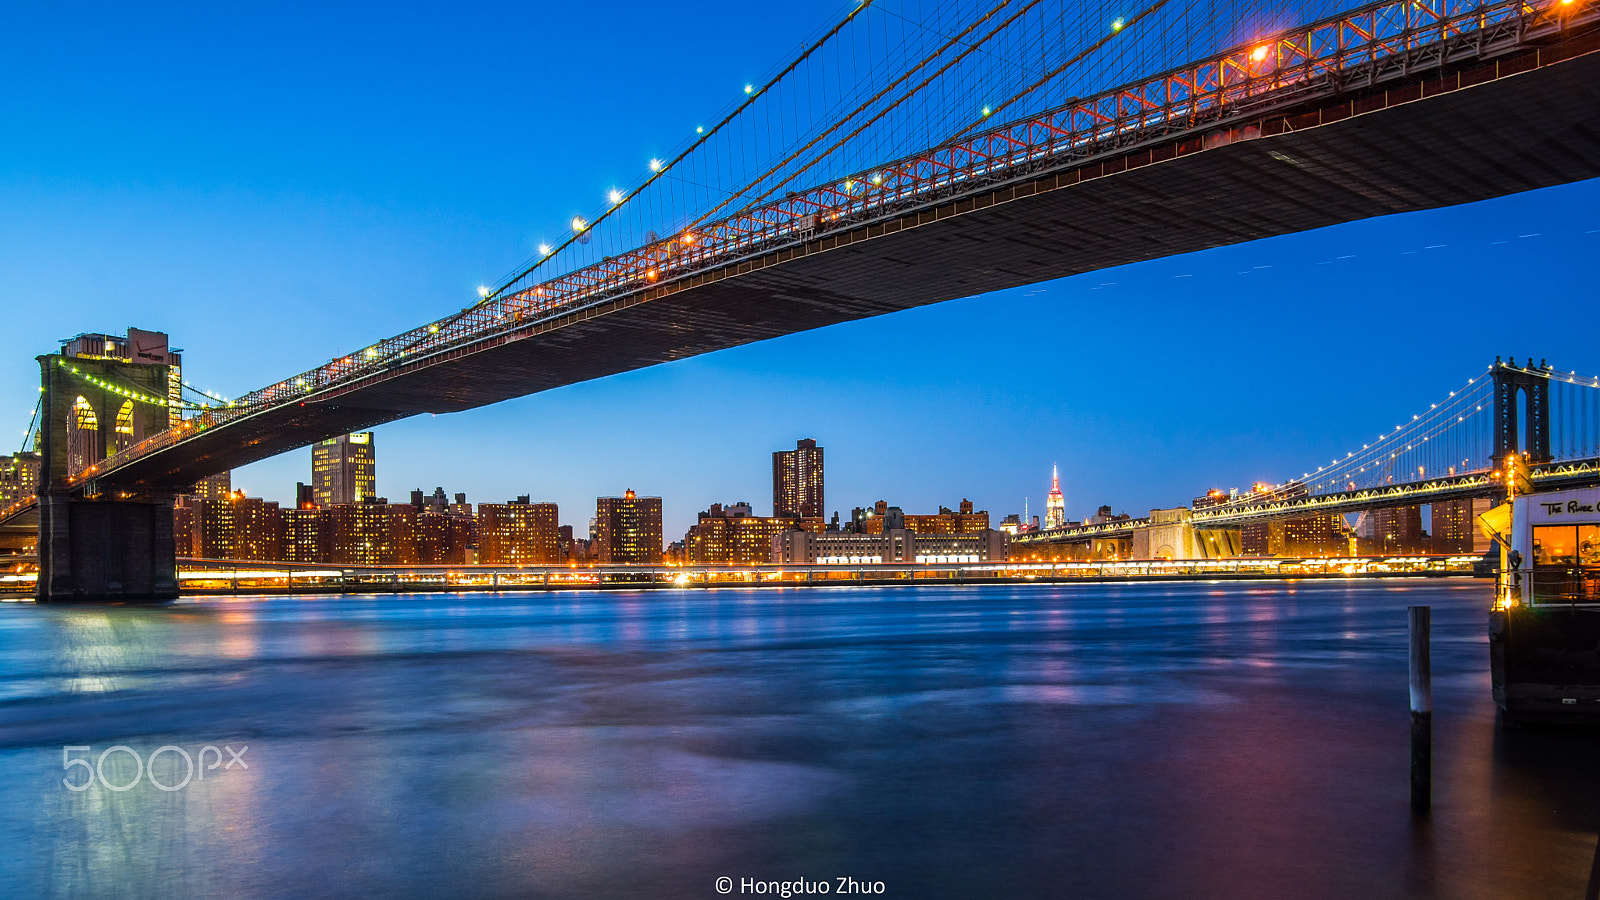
(1421, 711)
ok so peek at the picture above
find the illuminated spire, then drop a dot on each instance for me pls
(1055, 505)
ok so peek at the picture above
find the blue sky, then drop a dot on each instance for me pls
(276, 185)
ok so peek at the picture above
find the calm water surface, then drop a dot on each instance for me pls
(1138, 740)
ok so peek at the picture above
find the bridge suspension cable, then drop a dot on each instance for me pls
(33, 421)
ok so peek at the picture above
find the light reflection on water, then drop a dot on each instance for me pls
(1136, 740)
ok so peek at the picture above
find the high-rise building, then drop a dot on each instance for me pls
(344, 470)
(1453, 526)
(797, 481)
(522, 533)
(186, 537)
(215, 487)
(1396, 529)
(1055, 505)
(627, 529)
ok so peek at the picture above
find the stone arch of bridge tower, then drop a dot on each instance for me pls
(1522, 411)
(93, 410)
(83, 433)
(121, 437)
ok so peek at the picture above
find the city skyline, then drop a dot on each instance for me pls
(1148, 383)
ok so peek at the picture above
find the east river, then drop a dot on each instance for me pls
(1129, 740)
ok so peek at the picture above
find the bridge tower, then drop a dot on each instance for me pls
(102, 394)
(1532, 386)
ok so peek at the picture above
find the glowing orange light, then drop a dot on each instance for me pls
(651, 274)
(1260, 53)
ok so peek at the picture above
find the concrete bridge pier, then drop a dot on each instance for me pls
(106, 551)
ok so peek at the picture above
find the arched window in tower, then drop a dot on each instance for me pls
(83, 436)
(122, 436)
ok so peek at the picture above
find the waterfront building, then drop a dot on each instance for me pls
(522, 533)
(1453, 526)
(627, 529)
(370, 534)
(797, 481)
(1055, 503)
(1396, 529)
(442, 540)
(894, 544)
(186, 526)
(1325, 535)
(730, 535)
(344, 470)
(435, 502)
(240, 527)
(963, 520)
(215, 488)
(677, 554)
(19, 477)
(1255, 539)
(570, 547)
(1104, 516)
(302, 536)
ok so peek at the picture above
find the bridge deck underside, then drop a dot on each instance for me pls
(1517, 133)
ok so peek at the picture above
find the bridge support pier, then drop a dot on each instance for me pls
(106, 551)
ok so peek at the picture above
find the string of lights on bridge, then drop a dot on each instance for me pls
(205, 393)
(129, 393)
(798, 156)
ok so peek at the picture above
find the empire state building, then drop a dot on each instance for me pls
(1055, 505)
